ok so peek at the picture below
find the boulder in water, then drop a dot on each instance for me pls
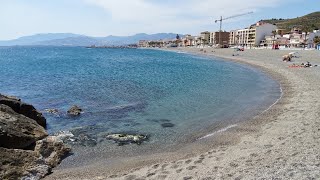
(122, 139)
(52, 111)
(74, 110)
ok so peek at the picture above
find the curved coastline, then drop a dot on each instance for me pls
(282, 142)
(228, 140)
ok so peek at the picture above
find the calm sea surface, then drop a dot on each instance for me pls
(134, 90)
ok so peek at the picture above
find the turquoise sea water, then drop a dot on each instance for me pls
(135, 90)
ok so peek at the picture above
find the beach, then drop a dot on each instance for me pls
(282, 142)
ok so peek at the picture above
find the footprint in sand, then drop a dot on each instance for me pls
(161, 177)
(130, 177)
(188, 178)
(155, 166)
(191, 168)
(164, 166)
(151, 174)
(179, 170)
(198, 161)
(174, 166)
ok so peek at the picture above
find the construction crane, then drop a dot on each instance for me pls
(230, 17)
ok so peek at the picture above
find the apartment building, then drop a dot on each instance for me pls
(204, 38)
(220, 38)
(251, 36)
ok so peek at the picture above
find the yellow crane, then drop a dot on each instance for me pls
(230, 17)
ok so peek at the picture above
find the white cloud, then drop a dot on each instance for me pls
(145, 15)
(151, 11)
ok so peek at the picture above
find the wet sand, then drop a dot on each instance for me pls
(282, 142)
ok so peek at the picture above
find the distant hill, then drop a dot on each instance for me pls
(308, 22)
(34, 39)
(67, 39)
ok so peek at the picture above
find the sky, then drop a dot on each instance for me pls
(101, 18)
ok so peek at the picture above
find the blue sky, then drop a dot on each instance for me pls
(127, 17)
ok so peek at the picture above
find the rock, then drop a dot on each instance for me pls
(28, 164)
(15, 162)
(122, 139)
(52, 111)
(26, 151)
(23, 108)
(74, 111)
(167, 125)
(52, 150)
(18, 131)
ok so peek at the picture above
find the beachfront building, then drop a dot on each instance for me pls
(223, 37)
(310, 38)
(204, 38)
(233, 38)
(143, 43)
(251, 36)
(188, 40)
(272, 40)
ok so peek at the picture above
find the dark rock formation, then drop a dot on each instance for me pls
(18, 131)
(23, 108)
(25, 150)
(123, 139)
(74, 111)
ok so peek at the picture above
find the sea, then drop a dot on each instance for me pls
(172, 98)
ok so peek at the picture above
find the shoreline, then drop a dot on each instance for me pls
(244, 156)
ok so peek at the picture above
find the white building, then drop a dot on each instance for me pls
(310, 37)
(251, 36)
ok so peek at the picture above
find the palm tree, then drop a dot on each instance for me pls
(306, 28)
(250, 37)
(200, 38)
(204, 41)
(237, 36)
(185, 42)
(316, 40)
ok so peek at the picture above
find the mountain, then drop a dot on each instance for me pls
(67, 39)
(34, 39)
(308, 22)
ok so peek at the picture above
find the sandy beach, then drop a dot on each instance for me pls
(282, 142)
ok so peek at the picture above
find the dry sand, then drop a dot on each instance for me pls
(283, 142)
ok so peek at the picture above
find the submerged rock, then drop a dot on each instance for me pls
(77, 136)
(52, 111)
(122, 139)
(74, 111)
(138, 107)
(167, 125)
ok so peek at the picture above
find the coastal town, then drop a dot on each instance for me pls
(260, 35)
